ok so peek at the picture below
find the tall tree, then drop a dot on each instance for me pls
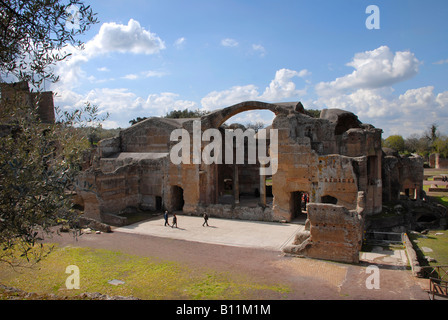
(432, 134)
(39, 162)
(395, 142)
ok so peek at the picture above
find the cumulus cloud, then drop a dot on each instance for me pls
(280, 88)
(373, 69)
(404, 114)
(236, 94)
(124, 105)
(368, 91)
(112, 37)
(132, 37)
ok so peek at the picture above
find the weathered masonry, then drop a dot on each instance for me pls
(335, 159)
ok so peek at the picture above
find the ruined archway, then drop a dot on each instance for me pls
(216, 118)
(240, 183)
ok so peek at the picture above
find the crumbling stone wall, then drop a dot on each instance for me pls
(401, 175)
(332, 232)
(20, 92)
(437, 162)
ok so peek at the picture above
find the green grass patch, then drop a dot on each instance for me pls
(438, 243)
(443, 200)
(145, 278)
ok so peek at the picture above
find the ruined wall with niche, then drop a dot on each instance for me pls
(401, 175)
(325, 157)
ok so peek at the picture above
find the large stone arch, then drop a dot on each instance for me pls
(216, 118)
(217, 176)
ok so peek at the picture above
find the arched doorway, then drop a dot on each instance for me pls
(240, 182)
(177, 196)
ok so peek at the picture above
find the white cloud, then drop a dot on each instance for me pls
(259, 49)
(228, 42)
(411, 112)
(368, 92)
(132, 37)
(180, 43)
(236, 94)
(443, 61)
(304, 73)
(144, 75)
(131, 76)
(103, 69)
(112, 37)
(373, 69)
(162, 103)
(124, 105)
(264, 116)
(280, 88)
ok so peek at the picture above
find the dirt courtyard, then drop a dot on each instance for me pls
(307, 278)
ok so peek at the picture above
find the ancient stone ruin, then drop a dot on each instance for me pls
(335, 160)
(20, 92)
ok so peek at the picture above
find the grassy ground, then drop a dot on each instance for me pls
(438, 243)
(144, 278)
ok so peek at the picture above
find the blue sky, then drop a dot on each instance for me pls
(146, 58)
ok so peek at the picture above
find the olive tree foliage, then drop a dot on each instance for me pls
(33, 34)
(39, 162)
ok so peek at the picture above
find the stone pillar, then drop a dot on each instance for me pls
(262, 188)
(236, 185)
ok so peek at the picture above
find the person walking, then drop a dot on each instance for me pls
(205, 219)
(174, 220)
(165, 215)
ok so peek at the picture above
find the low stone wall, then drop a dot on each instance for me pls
(412, 256)
(228, 211)
(114, 220)
(438, 189)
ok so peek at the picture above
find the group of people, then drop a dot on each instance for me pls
(165, 215)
